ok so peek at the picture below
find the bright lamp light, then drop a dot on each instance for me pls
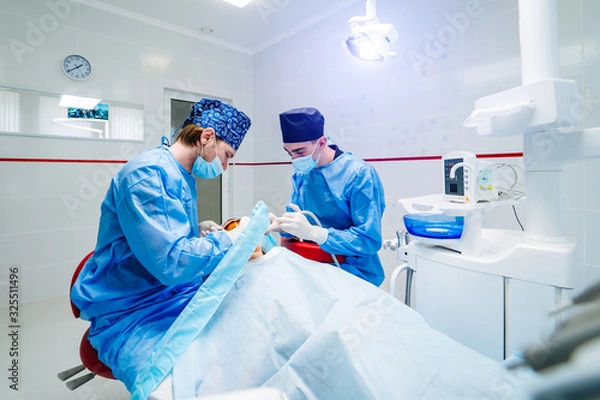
(370, 40)
(86, 103)
(239, 3)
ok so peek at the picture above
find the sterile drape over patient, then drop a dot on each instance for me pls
(315, 332)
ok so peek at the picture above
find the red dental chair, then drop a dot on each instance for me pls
(309, 250)
(87, 354)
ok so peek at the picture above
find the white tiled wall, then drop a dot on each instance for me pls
(403, 108)
(397, 108)
(391, 109)
(590, 32)
(50, 211)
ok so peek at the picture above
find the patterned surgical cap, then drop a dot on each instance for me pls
(229, 123)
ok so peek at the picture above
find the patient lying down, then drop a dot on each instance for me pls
(316, 332)
(234, 223)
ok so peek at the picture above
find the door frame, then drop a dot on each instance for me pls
(226, 178)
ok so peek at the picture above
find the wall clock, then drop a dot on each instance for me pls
(76, 67)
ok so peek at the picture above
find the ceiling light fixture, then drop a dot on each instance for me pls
(239, 3)
(370, 40)
(86, 103)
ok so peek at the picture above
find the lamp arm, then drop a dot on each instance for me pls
(370, 17)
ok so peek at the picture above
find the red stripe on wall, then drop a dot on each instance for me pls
(61, 160)
(250, 164)
(385, 159)
(409, 158)
(500, 155)
(259, 164)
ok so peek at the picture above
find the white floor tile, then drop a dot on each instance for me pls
(48, 342)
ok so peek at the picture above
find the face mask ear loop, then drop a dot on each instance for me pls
(216, 154)
(202, 150)
(319, 156)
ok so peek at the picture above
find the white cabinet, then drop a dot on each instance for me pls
(467, 306)
(527, 313)
(491, 313)
(492, 289)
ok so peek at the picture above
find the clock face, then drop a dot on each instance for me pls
(76, 67)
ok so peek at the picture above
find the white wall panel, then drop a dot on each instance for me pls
(396, 109)
(54, 206)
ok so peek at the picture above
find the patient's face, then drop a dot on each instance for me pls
(234, 223)
(257, 252)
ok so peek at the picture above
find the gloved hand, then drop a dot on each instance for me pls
(237, 231)
(272, 217)
(295, 223)
(274, 224)
(208, 226)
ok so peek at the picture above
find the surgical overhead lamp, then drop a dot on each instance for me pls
(370, 40)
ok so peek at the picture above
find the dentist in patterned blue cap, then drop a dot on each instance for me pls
(220, 122)
(215, 130)
(150, 258)
(341, 190)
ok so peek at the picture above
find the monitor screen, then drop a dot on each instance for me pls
(99, 112)
(454, 186)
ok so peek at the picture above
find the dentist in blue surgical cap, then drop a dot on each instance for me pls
(150, 258)
(344, 192)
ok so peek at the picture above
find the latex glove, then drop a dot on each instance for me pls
(274, 224)
(236, 232)
(208, 226)
(272, 217)
(295, 223)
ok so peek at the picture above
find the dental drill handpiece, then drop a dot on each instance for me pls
(589, 294)
(314, 217)
(559, 347)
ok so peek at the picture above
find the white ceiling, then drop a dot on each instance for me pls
(250, 29)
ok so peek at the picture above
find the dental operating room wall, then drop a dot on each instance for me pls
(411, 105)
(449, 53)
(50, 210)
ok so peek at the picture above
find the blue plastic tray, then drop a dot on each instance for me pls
(435, 226)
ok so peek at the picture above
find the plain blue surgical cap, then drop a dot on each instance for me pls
(301, 125)
(229, 123)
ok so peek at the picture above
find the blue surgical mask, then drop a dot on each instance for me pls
(207, 170)
(305, 164)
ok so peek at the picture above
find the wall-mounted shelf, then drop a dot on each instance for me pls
(435, 203)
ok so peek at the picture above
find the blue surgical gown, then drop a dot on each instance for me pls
(347, 197)
(148, 261)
